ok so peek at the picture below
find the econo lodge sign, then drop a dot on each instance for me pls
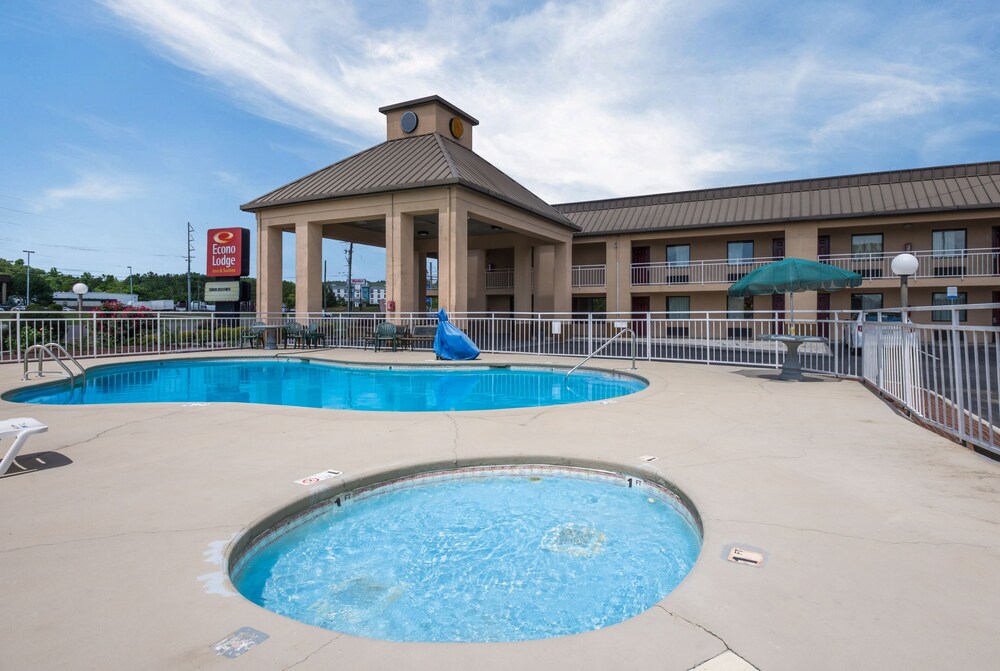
(228, 252)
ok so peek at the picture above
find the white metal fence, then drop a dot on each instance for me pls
(715, 271)
(946, 375)
(930, 263)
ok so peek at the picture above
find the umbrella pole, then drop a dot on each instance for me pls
(791, 311)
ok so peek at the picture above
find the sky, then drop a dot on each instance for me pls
(121, 121)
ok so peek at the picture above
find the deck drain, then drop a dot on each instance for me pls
(749, 557)
(238, 642)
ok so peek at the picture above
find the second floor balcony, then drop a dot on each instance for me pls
(583, 276)
(932, 264)
(714, 271)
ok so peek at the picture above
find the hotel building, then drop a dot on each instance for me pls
(424, 193)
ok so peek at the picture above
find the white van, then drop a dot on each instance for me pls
(852, 335)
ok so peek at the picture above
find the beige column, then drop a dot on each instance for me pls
(545, 259)
(801, 242)
(562, 278)
(618, 274)
(308, 268)
(399, 262)
(522, 277)
(420, 281)
(269, 269)
(453, 251)
(477, 280)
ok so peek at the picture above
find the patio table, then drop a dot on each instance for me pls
(791, 368)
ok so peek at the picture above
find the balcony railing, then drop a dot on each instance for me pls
(500, 278)
(716, 271)
(583, 276)
(588, 276)
(931, 263)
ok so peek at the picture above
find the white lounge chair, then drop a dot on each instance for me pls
(20, 429)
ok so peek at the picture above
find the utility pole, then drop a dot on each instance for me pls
(190, 249)
(27, 286)
(130, 282)
(324, 285)
(350, 285)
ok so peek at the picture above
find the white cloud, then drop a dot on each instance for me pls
(577, 99)
(92, 186)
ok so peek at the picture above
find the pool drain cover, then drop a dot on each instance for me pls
(573, 539)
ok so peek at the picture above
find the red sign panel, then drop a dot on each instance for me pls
(228, 252)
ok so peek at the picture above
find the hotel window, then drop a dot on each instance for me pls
(869, 244)
(678, 307)
(865, 302)
(940, 298)
(678, 256)
(739, 307)
(740, 252)
(948, 243)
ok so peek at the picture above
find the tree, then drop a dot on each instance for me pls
(288, 294)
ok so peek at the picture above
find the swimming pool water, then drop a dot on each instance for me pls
(501, 557)
(317, 384)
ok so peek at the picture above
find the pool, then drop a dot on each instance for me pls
(494, 553)
(317, 384)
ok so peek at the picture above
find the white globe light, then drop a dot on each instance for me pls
(904, 265)
(80, 288)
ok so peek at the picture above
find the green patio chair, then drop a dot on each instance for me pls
(294, 334)
(314, 336)
(253, 335)
(386, 333)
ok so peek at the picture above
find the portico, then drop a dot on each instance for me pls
(421, 194)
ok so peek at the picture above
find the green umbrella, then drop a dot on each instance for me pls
(791, 275)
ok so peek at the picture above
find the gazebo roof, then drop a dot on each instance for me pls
(409, 163)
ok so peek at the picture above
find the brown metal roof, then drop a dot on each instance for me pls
(954, 187)
(409, 163)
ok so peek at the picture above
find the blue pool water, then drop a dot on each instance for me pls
(316, 384)
(500, 557)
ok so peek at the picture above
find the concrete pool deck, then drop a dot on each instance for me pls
(881, 539)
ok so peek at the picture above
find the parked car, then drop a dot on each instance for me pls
(853, 334)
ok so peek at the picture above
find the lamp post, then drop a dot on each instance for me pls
(904, 265)
(130, 283)
(27, 283)
(80, 289)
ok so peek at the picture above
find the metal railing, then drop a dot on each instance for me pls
(931, 263)
(500, 278)
(946, 375)
(714, 271)
(48, 348)
(589, 275)
(621, 333)
(583, 276)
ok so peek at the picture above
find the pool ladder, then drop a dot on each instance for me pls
(48, 348)
(599, 349)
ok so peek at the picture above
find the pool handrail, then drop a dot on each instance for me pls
(608, 342)
(47, 349)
